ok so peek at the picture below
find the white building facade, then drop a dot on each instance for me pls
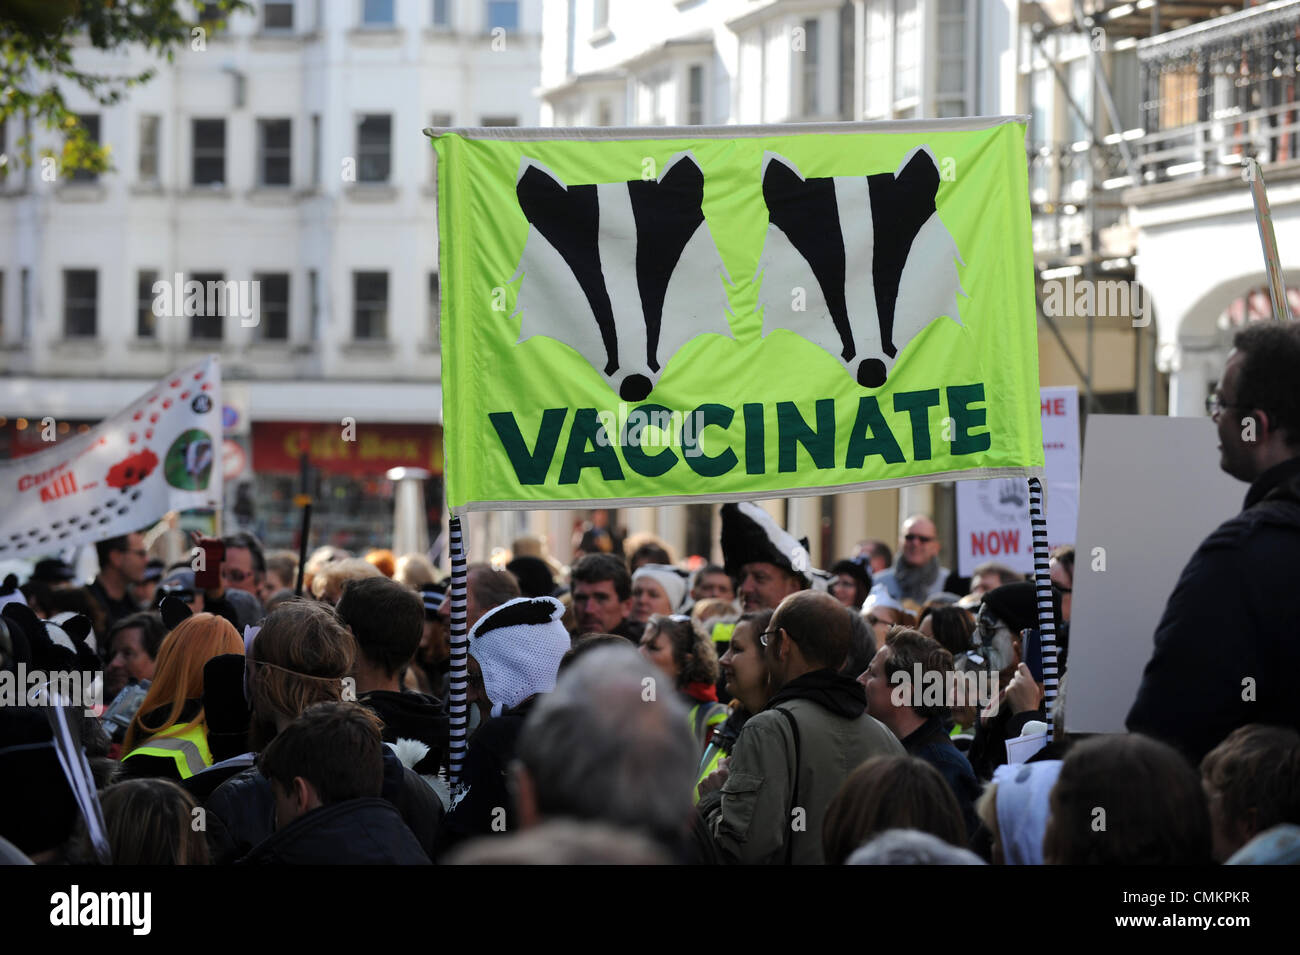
(286, 149)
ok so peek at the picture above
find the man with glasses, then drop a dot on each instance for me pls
(244, 566)
(767, 805)
(916, 574)
(1226, 650)
(122, 563)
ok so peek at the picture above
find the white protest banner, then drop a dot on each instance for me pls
(993, 516)
(158, 454)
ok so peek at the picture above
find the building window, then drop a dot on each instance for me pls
(209, 323)
(147, 167)
(951, 84)
(374, 157)
(273, 306)
(503, 14)
(90, 123)
(315, 149)
(907, 51)
(377, 13)
(499, 121)
(313, 304)
(811, 65)
(370, 306)
(694, 96)
(209, 152)
(604, 113)
(442, 14)
(80, 302)
(650, 101)
(146, 321)
(273, 152)
(277, 16)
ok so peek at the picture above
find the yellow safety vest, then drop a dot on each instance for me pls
(188, 747)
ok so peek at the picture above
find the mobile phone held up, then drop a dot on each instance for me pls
(1031, 652)
(214, 552)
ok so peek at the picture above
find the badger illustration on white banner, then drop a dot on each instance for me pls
(625, 273)
(824, 232)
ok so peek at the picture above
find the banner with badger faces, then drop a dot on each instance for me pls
(158, 454)
(658, 315)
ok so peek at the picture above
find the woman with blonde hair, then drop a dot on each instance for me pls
(327, 584)
(168, 736)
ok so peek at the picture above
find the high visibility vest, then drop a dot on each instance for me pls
(188, 747)
(704, 718)
(708, 764)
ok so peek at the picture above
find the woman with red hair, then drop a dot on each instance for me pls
(168, 736)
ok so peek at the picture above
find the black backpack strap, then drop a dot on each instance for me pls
(794, 795)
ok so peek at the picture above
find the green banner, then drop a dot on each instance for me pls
(642, 316)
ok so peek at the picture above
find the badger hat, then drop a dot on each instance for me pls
(749, 534)
(518, 646)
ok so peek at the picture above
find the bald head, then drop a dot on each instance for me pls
(920, 540)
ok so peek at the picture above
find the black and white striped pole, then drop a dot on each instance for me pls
(458, 724)
(1043, 596)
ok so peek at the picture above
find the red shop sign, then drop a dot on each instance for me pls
(362, 450)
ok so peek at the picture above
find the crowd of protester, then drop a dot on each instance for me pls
(625, 709)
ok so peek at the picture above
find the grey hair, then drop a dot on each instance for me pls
(611, 743)
(911, 847)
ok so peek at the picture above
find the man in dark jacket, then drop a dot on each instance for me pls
(514, 655)
(900, 685)
(1226, 648)
(326, 772)
(387, 620)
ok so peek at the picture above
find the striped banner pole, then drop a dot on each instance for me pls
(459, 722)
(1043, 594)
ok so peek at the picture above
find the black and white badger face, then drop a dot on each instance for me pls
(863, 316)
(623, 272)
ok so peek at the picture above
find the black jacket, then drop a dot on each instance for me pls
(241, 811)
(932, 743)
(1228, 646)
(353, 832)
(487, 761)
(415, 716)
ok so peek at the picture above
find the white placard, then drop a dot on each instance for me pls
(993, 516)
(160, 453)
(1152, 491)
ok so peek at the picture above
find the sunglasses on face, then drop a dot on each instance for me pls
(917, 538)
(235, 575)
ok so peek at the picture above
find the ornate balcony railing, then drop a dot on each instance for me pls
(1219, 91)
